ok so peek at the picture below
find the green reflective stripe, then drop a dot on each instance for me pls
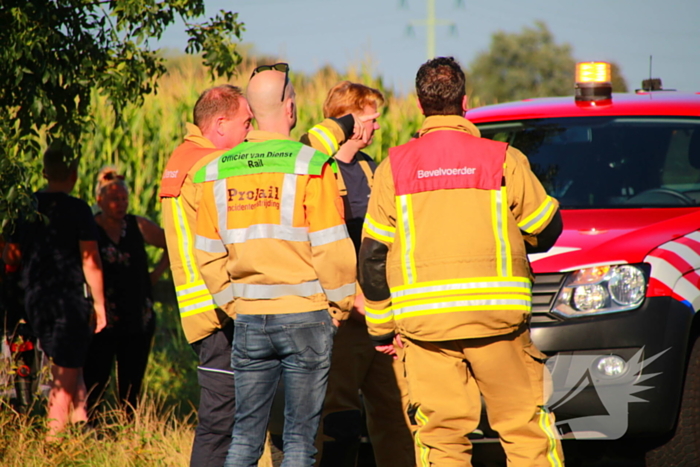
(378, 316)
(266, 292)
(326, 138)
(441, 306)
(546, 426)
(501, 234)
(209, 245)
(190, 290)
(196, 305)
(336, 295)
(407, 239)
(473, 286)
(424, 451)
(258, 231)
(195, 290)
(223, 297)
(535, 220)
(329, 235)
(289, 194)
(184, 237)
(379, 231)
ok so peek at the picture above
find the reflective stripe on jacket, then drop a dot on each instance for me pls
(453, 210)
(270, 210)
(199, 315)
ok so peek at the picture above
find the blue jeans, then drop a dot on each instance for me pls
(297, 347)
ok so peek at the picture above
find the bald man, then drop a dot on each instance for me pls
(271, 216)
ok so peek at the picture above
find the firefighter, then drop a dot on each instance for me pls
(443, 265)
(221, 121)
(270, 216)
(355, 364)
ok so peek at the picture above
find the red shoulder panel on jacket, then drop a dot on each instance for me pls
(181, 161)
(445, 160)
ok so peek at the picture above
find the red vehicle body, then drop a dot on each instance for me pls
(622, 283)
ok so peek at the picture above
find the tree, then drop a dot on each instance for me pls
(57, 52)
(524, 65)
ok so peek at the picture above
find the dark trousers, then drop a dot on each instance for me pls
(217, 401)
(131, 354)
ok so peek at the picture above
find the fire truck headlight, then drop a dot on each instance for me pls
(602, 289)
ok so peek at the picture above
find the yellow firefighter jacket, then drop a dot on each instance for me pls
(271, 216)
(452, 213)
(180, 197)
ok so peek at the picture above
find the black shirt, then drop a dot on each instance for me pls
(50, 247)
(357, 198)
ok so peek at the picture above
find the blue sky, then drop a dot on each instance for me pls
(311, 33)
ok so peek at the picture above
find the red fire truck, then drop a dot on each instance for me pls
(615, 301)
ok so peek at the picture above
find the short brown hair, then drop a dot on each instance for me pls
(59, 162)
(217, 101)
(346, 97)
(440, 85)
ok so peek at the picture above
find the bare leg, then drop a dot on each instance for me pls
(67, 388)
(79, 400)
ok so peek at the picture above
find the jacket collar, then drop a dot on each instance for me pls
(448, 122)
(194, 135)
(258, 136)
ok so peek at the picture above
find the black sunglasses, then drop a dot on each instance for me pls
(283, 67)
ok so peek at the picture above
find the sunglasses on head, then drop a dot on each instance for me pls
(282, 67)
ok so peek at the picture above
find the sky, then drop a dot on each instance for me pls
(309, 34)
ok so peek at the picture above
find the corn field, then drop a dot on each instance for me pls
(141, 148)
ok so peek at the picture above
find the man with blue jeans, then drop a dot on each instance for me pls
(270, 236)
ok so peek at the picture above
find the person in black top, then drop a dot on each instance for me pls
(61, 271)
(355, 363)
(130, 319)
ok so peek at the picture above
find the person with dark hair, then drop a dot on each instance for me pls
(443, 265)
(131, 322)
(62, 273)
(355, 365)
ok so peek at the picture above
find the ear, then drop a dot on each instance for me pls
(289, 107)
(220, 126)
(420, 107)
(465, 103)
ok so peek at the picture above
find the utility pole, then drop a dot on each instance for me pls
(430, 22)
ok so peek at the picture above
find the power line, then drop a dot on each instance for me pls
(431, 22)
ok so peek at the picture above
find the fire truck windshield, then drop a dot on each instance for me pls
(610, 162)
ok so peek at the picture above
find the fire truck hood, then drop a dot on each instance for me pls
(613, 236)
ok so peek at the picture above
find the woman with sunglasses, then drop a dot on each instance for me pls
(130, 319)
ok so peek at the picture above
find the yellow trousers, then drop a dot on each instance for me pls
(357, 366)
(445, 380)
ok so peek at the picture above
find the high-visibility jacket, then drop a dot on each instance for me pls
(180, 197)
(271, 214)
(451, 212)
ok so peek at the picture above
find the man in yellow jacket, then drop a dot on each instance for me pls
(443, 265)
(221, 121)
(271, 217)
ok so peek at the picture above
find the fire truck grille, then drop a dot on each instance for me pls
(544, 291)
